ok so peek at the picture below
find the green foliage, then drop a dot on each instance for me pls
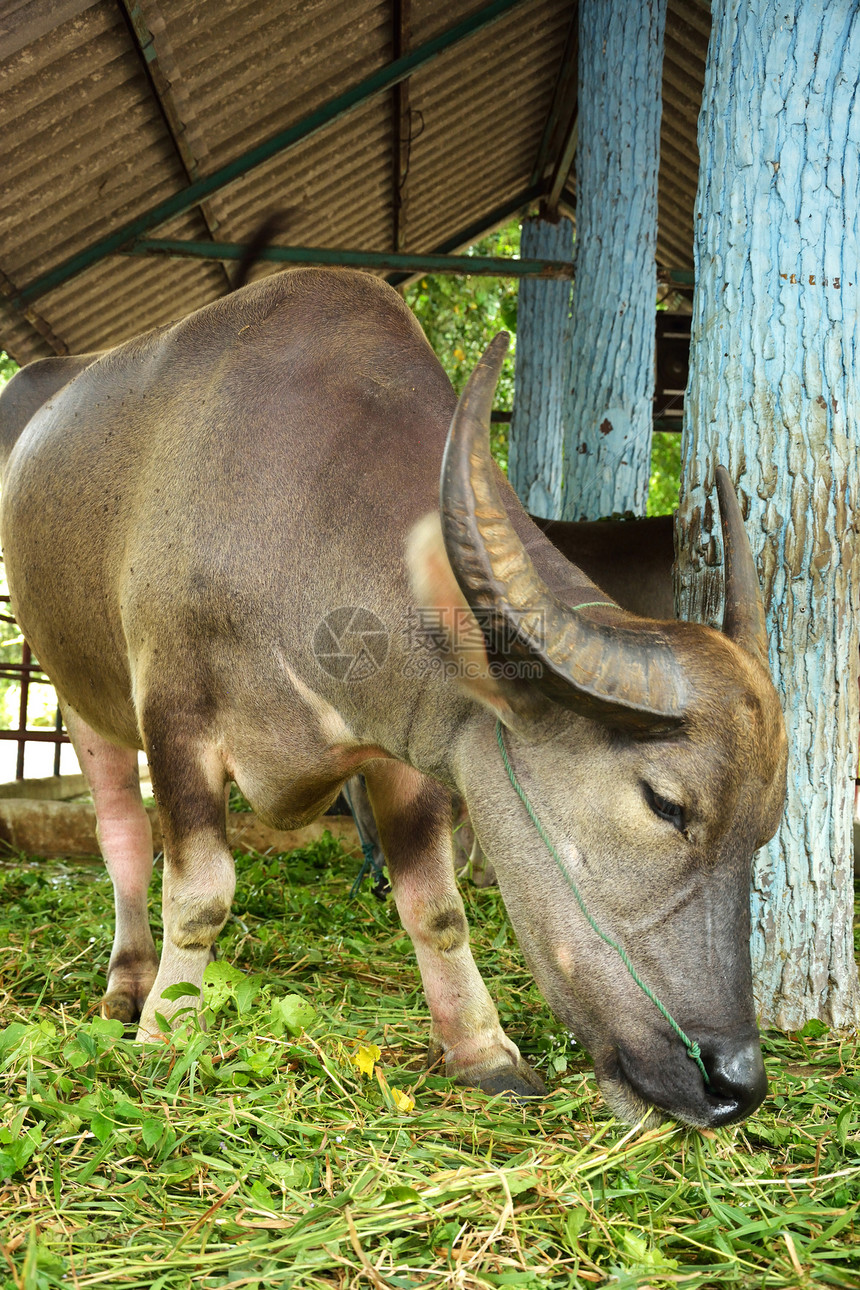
(258, 1153)
(238, 801)
(665, 482)
(8, 368)
(462, 315)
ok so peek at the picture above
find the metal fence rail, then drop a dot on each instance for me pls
(28, 673)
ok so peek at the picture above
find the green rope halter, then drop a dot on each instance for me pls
(693, 1050)
(372, 860)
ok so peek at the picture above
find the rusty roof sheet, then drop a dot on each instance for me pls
(688, 28)
(109, 107)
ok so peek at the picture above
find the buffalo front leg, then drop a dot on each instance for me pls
(125, 838)
(199, 877)
(414, 818)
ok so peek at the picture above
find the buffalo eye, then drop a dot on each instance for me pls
(671, 812)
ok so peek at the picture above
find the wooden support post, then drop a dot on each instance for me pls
(773, 395)
(542, 366)
(609, 409)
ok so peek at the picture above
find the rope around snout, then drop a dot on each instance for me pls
(693, 1050)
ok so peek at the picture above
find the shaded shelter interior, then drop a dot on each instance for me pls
(110, 108)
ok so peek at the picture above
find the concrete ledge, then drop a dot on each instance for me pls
(57, 828)
(53, 788)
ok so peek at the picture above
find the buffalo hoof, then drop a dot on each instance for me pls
(128, 985)
(121, 1005)
(509, 1075)
(518, 1081)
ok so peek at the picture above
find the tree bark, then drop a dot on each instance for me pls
(773, 395)
(542, 362)
(608, 412)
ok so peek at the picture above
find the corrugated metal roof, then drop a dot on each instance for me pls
(688, 27)
(108, 108)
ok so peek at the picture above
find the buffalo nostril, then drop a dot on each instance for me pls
(737, 1081)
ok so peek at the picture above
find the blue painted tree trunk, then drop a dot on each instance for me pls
(542, 365)
(608, 411)
(773, 394)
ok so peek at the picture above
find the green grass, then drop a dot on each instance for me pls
(258, 1154)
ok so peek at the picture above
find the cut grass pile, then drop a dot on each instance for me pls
(262, 1153)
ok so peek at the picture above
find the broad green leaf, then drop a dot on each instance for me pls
(76, 1054)
(574, 1222)
(813, 1029)
(183, 990)
(109, 1027)
(292, 1013)
(400, 1195)
(220, 982)
(261, 1195)
(101, 1127)
(521, 1182)
(125, 1109)
(152, 1131)
(845, 1122)
(12, 1035)
(645, 1255)
(221, 973)
(246, 992)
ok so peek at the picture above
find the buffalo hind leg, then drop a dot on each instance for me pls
(199, 876)
(414, 818)
(125, 838)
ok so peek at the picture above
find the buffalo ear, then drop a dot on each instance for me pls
(452, 631)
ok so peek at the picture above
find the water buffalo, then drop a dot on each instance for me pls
(225, 543)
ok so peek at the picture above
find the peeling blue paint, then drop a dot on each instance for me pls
(615, 284)
(542, 364)
(773, 395)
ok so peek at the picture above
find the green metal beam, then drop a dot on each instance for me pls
(676, 277)
(466, 236)
(494, 266)
(9, 297)
(337, 107)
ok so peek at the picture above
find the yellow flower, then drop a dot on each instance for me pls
(394, 1098)
(365, 1057)
(402, 1101)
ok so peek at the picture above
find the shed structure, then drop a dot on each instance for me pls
(392, 127)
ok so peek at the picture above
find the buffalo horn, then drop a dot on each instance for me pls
(743, 616)
(602, 662)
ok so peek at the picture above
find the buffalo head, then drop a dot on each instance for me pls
(653, 755)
